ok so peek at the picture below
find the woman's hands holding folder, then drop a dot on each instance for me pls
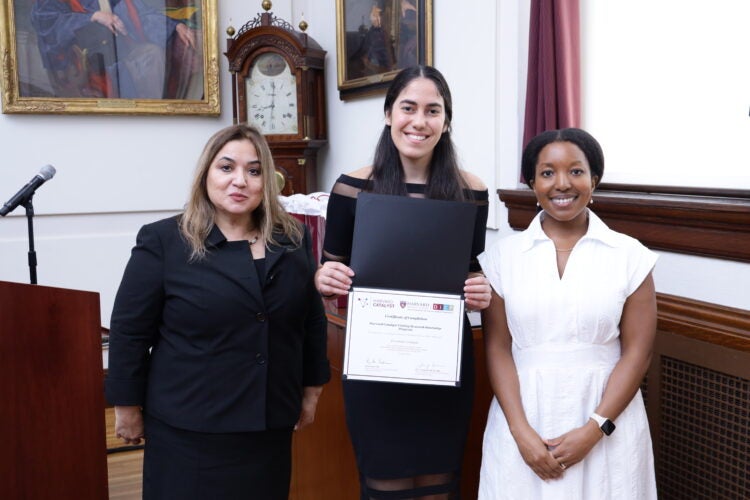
(333, 278)
(477, 292)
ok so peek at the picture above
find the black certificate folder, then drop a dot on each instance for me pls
(414, 244)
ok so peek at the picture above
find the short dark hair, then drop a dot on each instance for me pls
(585, 142)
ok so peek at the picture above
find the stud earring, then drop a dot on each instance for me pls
(591, 201)
(537, 204)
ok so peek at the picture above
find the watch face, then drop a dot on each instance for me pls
(271, 92)
(607, 427)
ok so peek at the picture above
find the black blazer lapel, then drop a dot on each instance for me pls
(245, 275)
(274, 252)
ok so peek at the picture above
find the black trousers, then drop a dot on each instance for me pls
(203, 466)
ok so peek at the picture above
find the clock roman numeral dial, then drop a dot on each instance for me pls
(272, 88)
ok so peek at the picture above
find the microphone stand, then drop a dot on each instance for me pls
(32, 253)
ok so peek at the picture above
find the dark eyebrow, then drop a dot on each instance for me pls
(414, 103)
(550, 164)
(231, 160)
(407, 101)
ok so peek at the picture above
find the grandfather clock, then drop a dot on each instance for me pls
(278, 85)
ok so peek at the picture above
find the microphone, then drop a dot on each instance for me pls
(26, 192)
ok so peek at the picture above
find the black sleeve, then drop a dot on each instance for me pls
(136, 317)
(316, 369)
(337, 244)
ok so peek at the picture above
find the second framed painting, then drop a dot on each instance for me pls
(109, 56)
(377, 38)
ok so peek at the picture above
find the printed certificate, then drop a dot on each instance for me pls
(407, 337)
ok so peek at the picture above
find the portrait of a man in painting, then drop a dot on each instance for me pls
(127, 49)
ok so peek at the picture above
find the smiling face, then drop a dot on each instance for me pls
(417, 120)
(563, 183)
(234, 181)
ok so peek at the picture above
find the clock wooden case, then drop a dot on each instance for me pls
(278, 85)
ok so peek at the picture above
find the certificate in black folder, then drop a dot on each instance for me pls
(412, 244)
(405, 317)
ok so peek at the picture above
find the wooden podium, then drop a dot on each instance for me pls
(52, 394)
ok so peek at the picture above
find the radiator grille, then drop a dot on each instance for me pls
(703, 451)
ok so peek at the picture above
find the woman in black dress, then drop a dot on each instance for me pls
(218, 335)
(409, 439)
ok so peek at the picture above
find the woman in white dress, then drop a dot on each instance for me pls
(569, 336)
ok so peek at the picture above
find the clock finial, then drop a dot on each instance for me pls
(266, 5)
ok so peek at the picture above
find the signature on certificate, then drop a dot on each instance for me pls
(429, 368)
(376, 364)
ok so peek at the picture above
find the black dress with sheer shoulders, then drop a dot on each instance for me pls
(405, 430)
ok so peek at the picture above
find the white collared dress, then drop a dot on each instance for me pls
(565, 344)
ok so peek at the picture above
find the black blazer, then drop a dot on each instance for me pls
(210, 346)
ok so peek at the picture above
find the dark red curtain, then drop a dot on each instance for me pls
(553, 87)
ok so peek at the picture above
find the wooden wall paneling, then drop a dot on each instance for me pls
(707, 225)
(726, 326)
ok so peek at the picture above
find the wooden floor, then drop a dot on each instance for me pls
(125, 475)
(124, 468)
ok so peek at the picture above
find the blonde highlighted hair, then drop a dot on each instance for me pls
(270, 217)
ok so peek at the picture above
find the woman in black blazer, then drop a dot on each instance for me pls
(218, 335)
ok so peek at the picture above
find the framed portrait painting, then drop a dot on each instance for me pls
(109, 56)
(377, 38)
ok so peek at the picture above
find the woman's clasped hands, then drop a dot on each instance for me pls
(550, 458)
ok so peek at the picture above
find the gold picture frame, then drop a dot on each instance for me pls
(377, 38)
(61, 61)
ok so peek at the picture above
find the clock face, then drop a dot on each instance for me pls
(271, 93)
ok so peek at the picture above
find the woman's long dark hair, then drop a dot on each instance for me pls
(444, 181)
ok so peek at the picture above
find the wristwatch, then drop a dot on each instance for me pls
(605, 424)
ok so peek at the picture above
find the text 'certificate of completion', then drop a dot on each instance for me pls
(404, 337)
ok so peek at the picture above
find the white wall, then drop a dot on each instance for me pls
(666, 86)
(116, 173)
